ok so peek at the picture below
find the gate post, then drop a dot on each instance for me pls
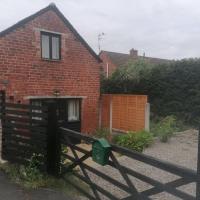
(2, 112)
(53, 141)
(198, 169)
(2, 102)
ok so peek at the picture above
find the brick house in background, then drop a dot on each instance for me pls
(113, 60)
(43, 59)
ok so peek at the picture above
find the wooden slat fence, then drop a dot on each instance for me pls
(24, 132)
(123, 112)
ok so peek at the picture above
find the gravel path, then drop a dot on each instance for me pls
(181, 150)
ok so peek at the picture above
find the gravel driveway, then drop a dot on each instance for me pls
(181, 150)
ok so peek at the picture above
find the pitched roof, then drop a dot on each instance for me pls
(120, 59)
(52, 7)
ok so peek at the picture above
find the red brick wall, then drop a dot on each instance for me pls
(107, 61)
(77, 73)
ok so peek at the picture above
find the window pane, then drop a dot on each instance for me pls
(73, 110)
(55, 48)
(45, 46)
(36, 103)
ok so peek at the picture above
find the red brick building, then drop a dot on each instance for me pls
(43, 58)
(114, 60)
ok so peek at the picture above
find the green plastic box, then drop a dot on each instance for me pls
(101, 151)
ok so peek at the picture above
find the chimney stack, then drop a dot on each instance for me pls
(134, 53)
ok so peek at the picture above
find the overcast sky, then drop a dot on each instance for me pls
(160, 28)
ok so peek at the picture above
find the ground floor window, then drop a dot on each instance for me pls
(39, 104)
(73, 110)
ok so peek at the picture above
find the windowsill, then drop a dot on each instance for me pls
(51, 60)
(73, 121)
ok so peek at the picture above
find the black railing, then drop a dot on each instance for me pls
(184, 175)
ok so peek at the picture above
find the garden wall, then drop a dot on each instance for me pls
(124, 112)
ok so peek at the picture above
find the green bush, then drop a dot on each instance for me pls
(134, 140)
(172, 88)
(103, 133)
(164, 128)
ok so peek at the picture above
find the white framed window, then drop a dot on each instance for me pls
(39, 104)
(50, 46)
(73, 110)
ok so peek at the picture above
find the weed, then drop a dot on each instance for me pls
(134, 140)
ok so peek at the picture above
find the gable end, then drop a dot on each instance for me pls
(63, 18)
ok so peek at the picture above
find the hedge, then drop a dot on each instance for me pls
(173, 88)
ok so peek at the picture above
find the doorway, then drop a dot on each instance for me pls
(68, 111)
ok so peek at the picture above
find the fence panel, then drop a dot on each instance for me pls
(123, 112)
(23, 132)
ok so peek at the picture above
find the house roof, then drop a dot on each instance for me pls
(120, 59)
(52, 7)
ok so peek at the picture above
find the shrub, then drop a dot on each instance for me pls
(28, 176)
(173, 88)
(32, 171)
(134, 140)
(103, 133)
(164, 128)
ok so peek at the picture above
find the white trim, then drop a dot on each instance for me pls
(55, 97)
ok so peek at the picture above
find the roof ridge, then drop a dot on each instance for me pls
(25, 20)
(154, 58)
(114, 52)
(51, 6)
(127, 54)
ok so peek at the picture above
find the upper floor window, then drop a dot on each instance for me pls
(51, 46)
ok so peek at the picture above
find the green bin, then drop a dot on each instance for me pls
(101, 151)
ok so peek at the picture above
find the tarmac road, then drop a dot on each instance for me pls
(11, 191)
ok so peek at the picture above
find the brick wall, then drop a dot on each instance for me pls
(77, 74)
(128, 112)
(107, 63)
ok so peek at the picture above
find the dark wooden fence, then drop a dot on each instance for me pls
(24, 132)
(2, 101)
(184, 176)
